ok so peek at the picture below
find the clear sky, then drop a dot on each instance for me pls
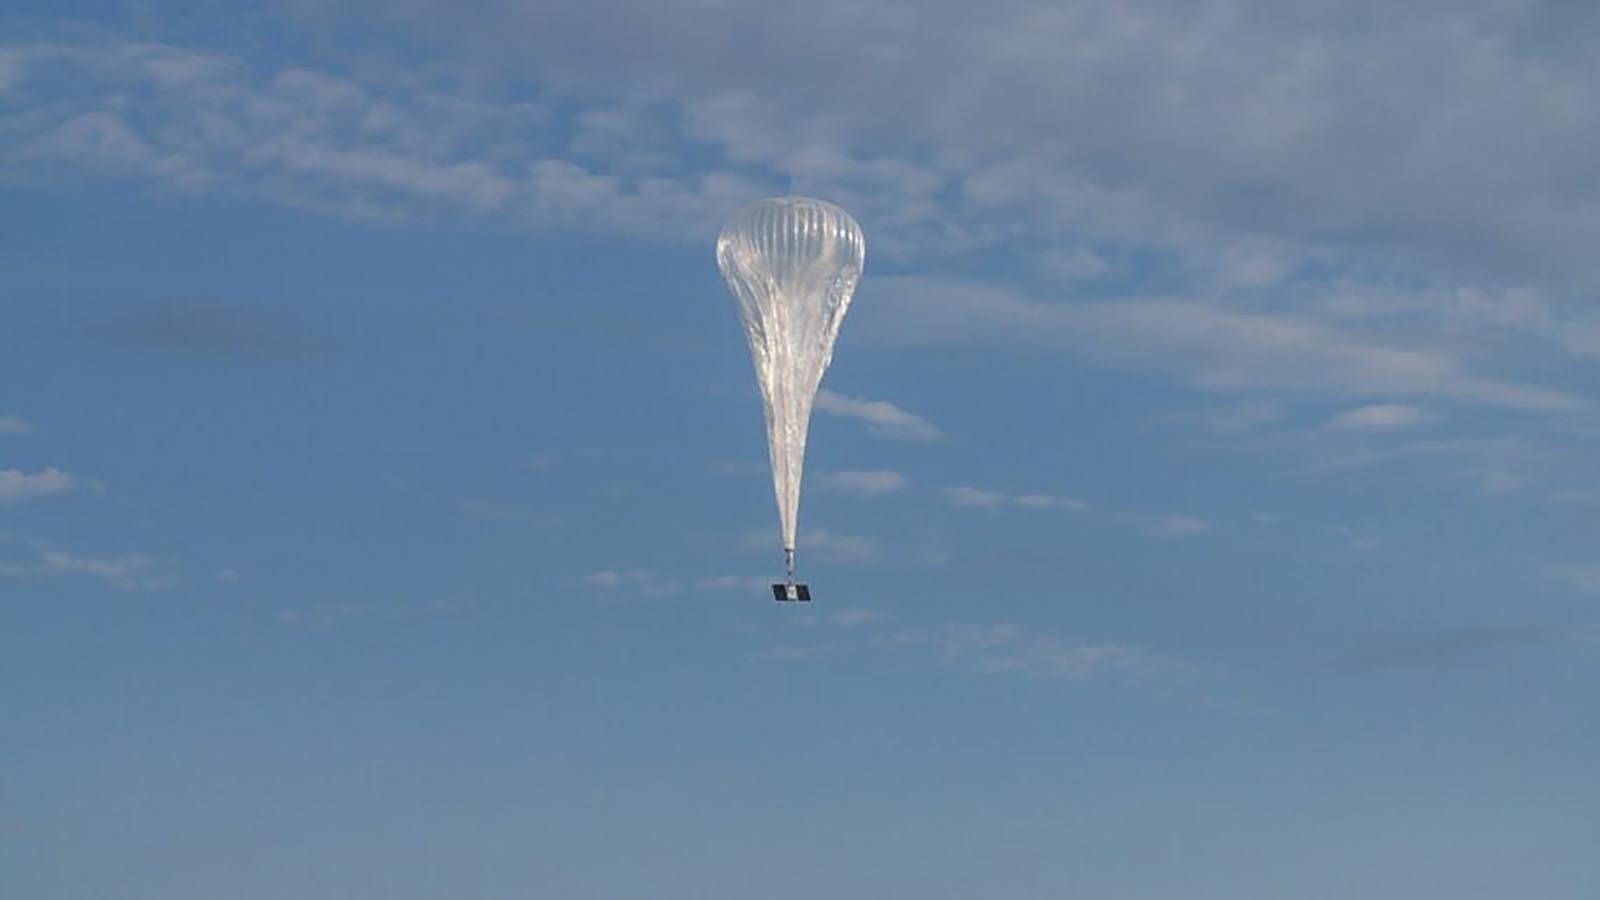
(1203, 504)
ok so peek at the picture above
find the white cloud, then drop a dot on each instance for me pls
(1208, 345)
(866, 483)
(854, 618)
(227, 576)
(1050, 501)
(1374, 138)
(16, 485)
(1283, 158)
(1376, 134)
(641, 581)
(1460, 308)
(1007, 648)
(610, 578)
(883, 419)
(1215, 141)
(820, 543)
(14, 425)
(1377, 417)
(1171, 526)
(331, 615)
(968, 496)
(964, 495)
(130, 572)
(1472, 458)
(834, 547)
(203, 122)
(750, 583)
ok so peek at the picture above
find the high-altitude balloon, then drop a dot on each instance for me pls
(792, 264)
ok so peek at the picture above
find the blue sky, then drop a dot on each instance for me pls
(1202, 503)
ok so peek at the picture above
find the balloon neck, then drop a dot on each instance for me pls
(788, 562)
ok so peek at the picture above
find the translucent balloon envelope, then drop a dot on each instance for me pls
(792, 264)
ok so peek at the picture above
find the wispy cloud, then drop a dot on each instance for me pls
(610, 578)
(202, 329)
(202, 122)
(1373, 137)
(14, 425)
(1377, 417)
(964, 495)
(755, 584)
(820, 543)
(129, 572)
(997, 648)
(1324, 163)
(855, 618)
(16, 485)
(326, 615)
(834, 547)
(355, 145)
(1470, 459)
(639, 581)
(1460, 646)
(883, 419)
(1174, 526)
(1207, 345)
(1008, 648)
(972, 497)
(1050, 501)
(866, 483)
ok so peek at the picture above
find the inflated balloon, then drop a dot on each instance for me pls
(792, 264)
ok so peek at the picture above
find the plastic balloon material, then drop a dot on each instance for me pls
(792, 263)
